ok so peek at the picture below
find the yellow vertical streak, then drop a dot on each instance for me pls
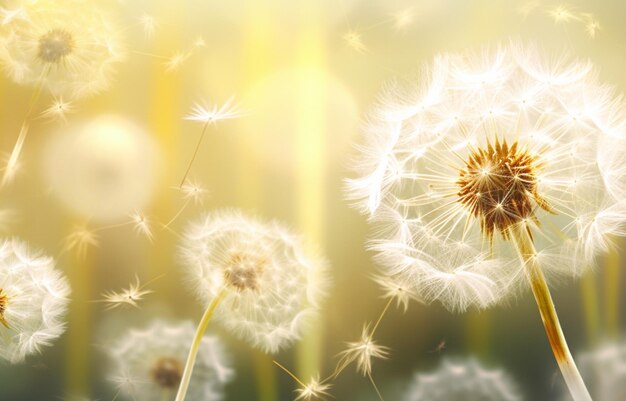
(590, 306)
(479, 331)
(78, 349)
(612, 290)
(311, 161)
(257, 51)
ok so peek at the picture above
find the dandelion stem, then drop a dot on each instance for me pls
(300, 382)
(375, 386)
(193, 352)
(9, 171)
(380, 318)
(195, 153)
(526, 251)
(182, 209)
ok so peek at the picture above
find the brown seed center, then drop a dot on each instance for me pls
(167, 372)
(243, 271)
(4, 300)
(54, 45)
(498, 185)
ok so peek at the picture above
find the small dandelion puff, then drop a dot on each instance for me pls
(272, 285)
(58, 110)
(562, 14)
(141, 225)
(175, 61)
(353, 40)
(149, 25)
(462, 380)
(154, 358)
(362, 352)
(67, 46)
(130, 296)
(500, 171)
(80, 241)
(403, 19)
(33, 301)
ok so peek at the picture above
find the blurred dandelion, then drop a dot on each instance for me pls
(604, 369)
(67, 47)
(497, 168)
(354, 41)
(33, 301)
(403, 19)
(148, 24)
(265, 283)
(58, 110)
(103, 169)
(79, 241)
(462, 380)
(314, 390)
(151, 363)
(205, 114)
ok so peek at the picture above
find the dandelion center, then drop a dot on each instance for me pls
(54, 45)
(243, 270)
(498, 185)
(167, 372)
(4, 300)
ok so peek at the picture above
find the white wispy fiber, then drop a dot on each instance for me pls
(273, 285)
(461, 380)
(517, 105)
(148, 363)
(33, 301)
(69, 46)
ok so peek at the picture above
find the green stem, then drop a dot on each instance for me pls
(528, 254)
(197, 340)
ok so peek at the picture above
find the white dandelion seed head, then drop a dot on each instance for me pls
(69, 45)
(460, 380)
(604, 371)
(103, 168)
(540, 137)
(273, 286)
(149, 363)
(314, 390)
(33, 301)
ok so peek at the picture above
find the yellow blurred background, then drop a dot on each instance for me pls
(304, 74)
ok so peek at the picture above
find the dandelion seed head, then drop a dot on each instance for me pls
(68, 45)
(273, 286)
(486, 141)
(459, 380)
(130, 296)
(204, 113)
(153, 360)
(33, 301)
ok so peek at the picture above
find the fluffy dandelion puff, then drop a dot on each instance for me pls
(498, 167)
(486, 141)
(152, 362)
(271, 285)
(604, 369)
(102, 169)
(33, 301)
(68, 45)
(462, 380)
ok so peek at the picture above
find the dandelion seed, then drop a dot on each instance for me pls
(141, 225)
(149, 25)
(130, 296)
(501, 166)
(174, 62)
(79, 241)
(8, 15)
(58, 110)
(592, 26)
(205, 114)
(153, 360)
(314, 390)
(403, 19)
(395, 288)
(354, 41)
(193, 192)
(33, 301)
(462, 380)
(362, 352)
(562, 14)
